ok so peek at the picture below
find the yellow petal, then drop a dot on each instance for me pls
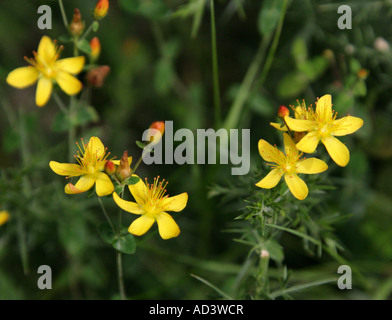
(22, 77)
(68, 83)
(289, 145)
(46, 52)
(346, 125)
(83, 184)
(94, 149)
(103, 184)
(324, 107)
(270, 180)
(4, 217)
(309, 143)
(139, 191)
(72, 65)
(337, 150)
(278, 126)
(66, 169)
(297, 186)
(311, 166)
(268, 152)
(44, 90)
(141, 225)
(300, 125)
(176, 203)
(128, 206)
(167, 227)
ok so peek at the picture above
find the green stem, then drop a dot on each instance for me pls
(262, 275)
(87, 31)
(106, 214)
(215, 73)
(71, 130)
(65, 20)
(120, 276)
(60, 103)
(274, 45)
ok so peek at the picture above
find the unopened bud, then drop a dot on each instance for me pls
(156, 131)
(283, 112)
(95, 77)
(110, 168)
(124, 169)
(362, 74)
(76, 26)
(264, 254)
(101, 9)
(95, 46)
(4, 217)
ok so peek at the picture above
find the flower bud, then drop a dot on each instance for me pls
(283, 112)
(95, 77)
(95, 46)
(4, 217)
(110, 168)
(362, 74)
(124, 169)
(156, 132)
(76, 26)
(101, 9)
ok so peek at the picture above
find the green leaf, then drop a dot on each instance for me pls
(85, 114)
(125, 244)
(119, 188)
(150, 9)
(299, 50)
(269, 16)
(164, 76)
(314, 68)
(60, 122)
(131, 180)
(95, 26)
(84, 45)
(292, 84)
(140, 144)
(106, 232)
(65, 38)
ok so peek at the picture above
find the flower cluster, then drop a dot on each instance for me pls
(306, 130)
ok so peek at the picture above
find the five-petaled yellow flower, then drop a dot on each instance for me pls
(289, 165)
(47, 69)
(90, 169)
(152, 204)
(323, 126)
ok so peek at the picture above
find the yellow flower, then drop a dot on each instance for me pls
(4, 217)
(90, 169)
(289, 165)
(47, 69)
(152, 204)
(323, 126)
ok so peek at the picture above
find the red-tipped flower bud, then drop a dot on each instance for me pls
(156, 131)
(95, 46)
(95, 77)
(76, 26)
(283, 112)
(110, 168)
(101, 9)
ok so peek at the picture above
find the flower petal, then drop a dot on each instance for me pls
(270, 180)
(66, 169)
(289, 145)
(4, 217)
(309, 143)
(72, 65)
(141, 225)
(22, 77)
(337, 150)
(103, 184)
(44, 90)
(68, 83)
(176, 203)
(139, 191)
(311, 166)
(300, 125)
(346, 125)
(278, 126)
(84, 183)
(94, 149)
(268, 152)
(128, 206)
(324, 107)
(167, 227)
(297, 186)
(46, 50)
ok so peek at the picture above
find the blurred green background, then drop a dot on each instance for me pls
(159, 53)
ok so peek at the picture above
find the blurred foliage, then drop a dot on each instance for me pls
(159, 53)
